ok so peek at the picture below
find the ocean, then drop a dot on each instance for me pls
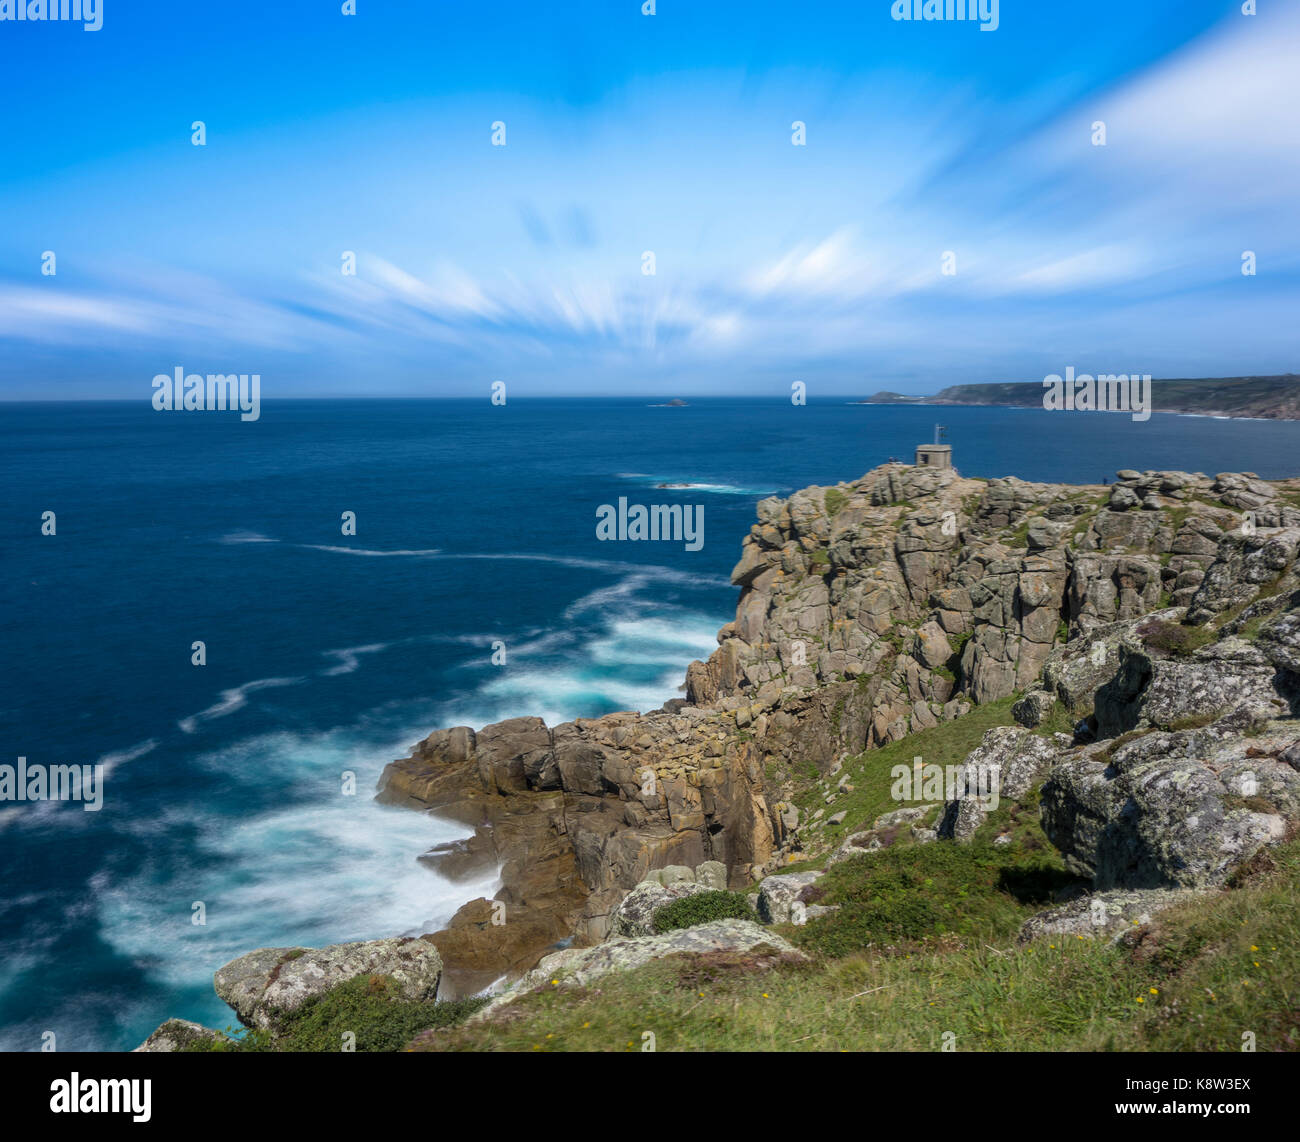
(328, 654)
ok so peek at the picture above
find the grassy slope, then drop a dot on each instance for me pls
(1199, 977)
(1205, 973)
(923, 945)
(869, 773)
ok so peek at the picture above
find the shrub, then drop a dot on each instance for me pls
(904, 896)
(700, 909)
(1174, 638)
(368, 1007)
(834, 499)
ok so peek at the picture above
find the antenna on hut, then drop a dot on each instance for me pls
(936, 455)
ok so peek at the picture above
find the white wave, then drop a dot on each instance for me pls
(328, 869)
(720, 489)
(558, 697)
(604, 597)
(671, 484)
(659, 574)
(232, 700)
(654, 641)
(350, 657)
(246, 537)
(110, 761)
(638, 663)
(368, 551)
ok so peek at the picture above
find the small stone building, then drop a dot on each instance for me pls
(934, 455)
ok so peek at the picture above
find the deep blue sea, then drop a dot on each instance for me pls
(329, 653)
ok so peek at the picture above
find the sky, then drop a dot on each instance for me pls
(925, 142)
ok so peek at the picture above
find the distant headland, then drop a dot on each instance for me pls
(1264, 398)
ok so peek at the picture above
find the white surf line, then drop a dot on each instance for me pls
(663, 574)
(232, 700)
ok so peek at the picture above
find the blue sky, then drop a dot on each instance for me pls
(628, 133)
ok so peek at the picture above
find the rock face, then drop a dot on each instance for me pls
(577, 815)
(1170, 810)
(1186, 765)
(265, 985)
(1007, 763)
(487, 939)
(868, 611)
(581, 966)
(635, 914)
(179, 1035)
(1153, 691)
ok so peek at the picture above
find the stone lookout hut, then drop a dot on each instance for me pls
(934, 455)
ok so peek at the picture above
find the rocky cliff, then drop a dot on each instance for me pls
(867, 611)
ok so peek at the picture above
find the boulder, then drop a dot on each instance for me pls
(1170, 810)
(1152, 690)
(712, 874)
(266, 985)
(580, 967)
(635, 914)
(180, 1035)
(1033, 708)
(1279, 639)
(855, 845)
(1102, 914)
(933, 649)
(777, 895)
(1006, 763)
(1075, 670)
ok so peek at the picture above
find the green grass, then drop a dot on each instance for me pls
(1060, 720)
(834, 500)
(702, 908)
(903, 897)
(922, 947)
(365, 1006)
(1194, 980)
(945, 744)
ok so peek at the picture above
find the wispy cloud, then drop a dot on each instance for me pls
(796, 258)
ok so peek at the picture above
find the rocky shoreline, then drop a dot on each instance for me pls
(872, 610)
